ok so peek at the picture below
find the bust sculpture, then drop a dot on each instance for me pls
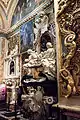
(41, 25)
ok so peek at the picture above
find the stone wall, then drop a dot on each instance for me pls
(2, 55)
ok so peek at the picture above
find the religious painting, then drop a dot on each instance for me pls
(26, 36)
(25, 7)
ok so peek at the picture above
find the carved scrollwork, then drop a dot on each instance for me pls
(62, 5)
(70, 45)
(69, 26)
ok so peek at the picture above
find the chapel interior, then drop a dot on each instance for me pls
(39, 59)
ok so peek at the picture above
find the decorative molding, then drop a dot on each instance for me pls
(62, 5)
(69, 24)
(30, 16)
(7, 10)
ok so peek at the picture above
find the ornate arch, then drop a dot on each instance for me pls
(1, 22)
(3, 12)
(10, 10)
(3, 4)
(7, 8)
(3, 17)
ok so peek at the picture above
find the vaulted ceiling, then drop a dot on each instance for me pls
(7, 8)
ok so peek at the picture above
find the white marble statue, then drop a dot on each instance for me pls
(41, 25)
(46, 59)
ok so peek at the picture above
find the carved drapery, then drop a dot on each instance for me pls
(69, 22)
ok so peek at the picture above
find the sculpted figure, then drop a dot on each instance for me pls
(33, 63)
(48, 59)
(70, 85)
(45, 60)
(11, 94)
(41, 25)
(50, 53)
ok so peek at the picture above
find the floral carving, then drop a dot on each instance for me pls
(13, 45)
(69, 26)
(70, 46)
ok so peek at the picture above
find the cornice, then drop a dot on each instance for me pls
(26, 18)
(29, 16)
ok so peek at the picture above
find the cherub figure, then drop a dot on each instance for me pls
(69, 81)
